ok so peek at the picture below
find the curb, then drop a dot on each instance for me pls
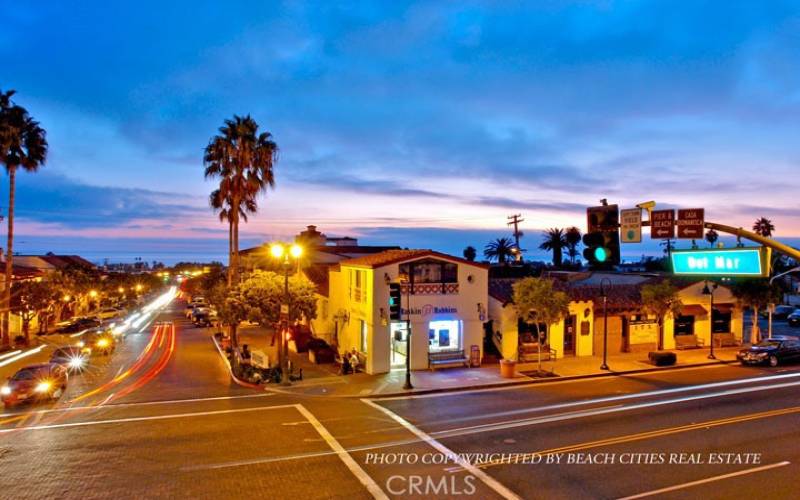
(230, 369)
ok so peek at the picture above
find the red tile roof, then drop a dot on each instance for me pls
(388, 257)
(319, 275)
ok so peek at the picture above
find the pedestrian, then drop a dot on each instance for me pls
(354, 360)
(345, 369)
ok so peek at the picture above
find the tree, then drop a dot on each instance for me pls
(22, 144)
(30, 299)
(763, 227)
(573, 239)
(242, 159)
(500, 250)
(554, 241)
(756, 294)
(661, 299)
(711, 237)
(470, 253)
(537, 302)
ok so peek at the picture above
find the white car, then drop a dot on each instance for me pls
(109, 312)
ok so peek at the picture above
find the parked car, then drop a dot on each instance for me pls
(771, 351)
(35, 383)
(80, 324)
(97, 343)
(109, 312)
(70, 357)
(780, 312)
(794, 319)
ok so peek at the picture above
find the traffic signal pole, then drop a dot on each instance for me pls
(407, 386)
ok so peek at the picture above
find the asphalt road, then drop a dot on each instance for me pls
(162, 419)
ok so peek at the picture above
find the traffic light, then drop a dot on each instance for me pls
(394, 301)
(602, 236)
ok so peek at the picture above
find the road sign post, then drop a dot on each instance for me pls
(631, 225)
(690, 223)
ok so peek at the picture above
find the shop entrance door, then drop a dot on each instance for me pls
(569, 335)
(398, 348)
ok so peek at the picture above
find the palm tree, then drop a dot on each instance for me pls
(22, 144)
(243, 160)
(500, 250)
(573, 237)
(763, 227)
(711, 237)
(470, 253)
(554, 240)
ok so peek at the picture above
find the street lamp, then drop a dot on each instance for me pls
(278, 251)
(710, 292)
(604, 294)
(770, 308)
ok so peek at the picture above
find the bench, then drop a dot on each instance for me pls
(688, 342)
(529, 352)
(725, 340)
(447, 358)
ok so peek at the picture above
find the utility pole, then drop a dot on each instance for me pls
(514, 220)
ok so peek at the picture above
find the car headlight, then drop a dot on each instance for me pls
(43, 386)
(761, 355)
(80, 344)
(5, 390)
(76, 362)
(102, 343)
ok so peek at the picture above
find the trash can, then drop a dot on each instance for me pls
(508, 368)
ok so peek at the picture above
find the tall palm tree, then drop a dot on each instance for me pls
(500, 250)
(763, 227)
(573, 237)
(242, 159)
(711, 237)
(219, 203)
(555, 241)
(22, 144)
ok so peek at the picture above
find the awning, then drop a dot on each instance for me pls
(693, 310)
(723, 308)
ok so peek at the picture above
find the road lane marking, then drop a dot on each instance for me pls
(706, 480)
(526, 386)
(489, 481)
(655, 433)
(142, 419)
(351, 464)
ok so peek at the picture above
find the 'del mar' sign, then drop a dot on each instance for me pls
(742, 262)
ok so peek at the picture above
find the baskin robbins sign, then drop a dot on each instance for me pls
(428, 310)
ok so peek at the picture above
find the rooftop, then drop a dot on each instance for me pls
(389, 257)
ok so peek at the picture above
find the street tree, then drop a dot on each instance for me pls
(756, 294)
(537, 302)
(242, 159)
(30, 299)
(554, 241)
(661, 299)
(22, 145)
(499, 250)
(470, 253)
(263, 293)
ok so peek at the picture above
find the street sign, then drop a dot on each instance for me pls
(662, 224)
(631, 225)
(690, 223)
(742, 262)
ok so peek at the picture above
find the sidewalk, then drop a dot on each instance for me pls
(323, 380)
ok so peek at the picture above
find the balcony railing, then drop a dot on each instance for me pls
(430, 288)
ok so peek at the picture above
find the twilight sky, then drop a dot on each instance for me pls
(398, 119)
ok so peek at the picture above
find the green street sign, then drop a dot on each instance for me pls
(742, 262)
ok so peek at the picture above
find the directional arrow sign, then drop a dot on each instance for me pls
(662, 224)
(690, 223)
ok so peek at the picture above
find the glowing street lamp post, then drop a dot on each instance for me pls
(605, 284)
(278, 251)
(710, 292)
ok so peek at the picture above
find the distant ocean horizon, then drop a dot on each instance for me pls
(451, 241)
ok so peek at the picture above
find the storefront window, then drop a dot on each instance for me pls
(444, 335)
(430, 271)
(720, 322)
(684, 325)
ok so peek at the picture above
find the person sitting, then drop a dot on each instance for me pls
(354, 362)
(345, 368)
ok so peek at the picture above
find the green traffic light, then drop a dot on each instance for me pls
(600, 254)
